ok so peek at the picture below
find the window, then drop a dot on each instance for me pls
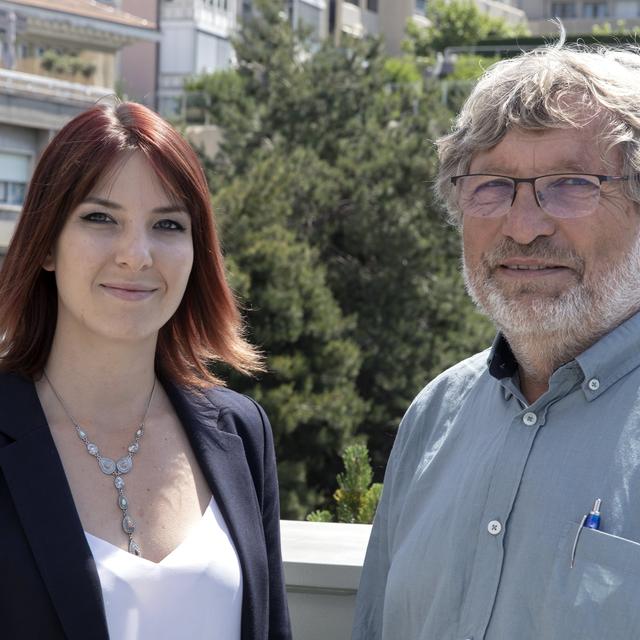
(595, 10)
(356, 2)
(372, 5)
(14, 172)
(12, 192)
(421, 7)
(563, 9)
(626, 9)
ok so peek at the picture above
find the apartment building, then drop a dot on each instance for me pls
(579, 16)
(195, 39)
(58, 58)
(388, 18)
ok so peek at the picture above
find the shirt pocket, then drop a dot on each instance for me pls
(600, 596)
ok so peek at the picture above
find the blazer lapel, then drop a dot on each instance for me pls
(38, 486)
(224, 464)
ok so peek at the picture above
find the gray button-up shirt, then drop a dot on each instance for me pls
(484, 495)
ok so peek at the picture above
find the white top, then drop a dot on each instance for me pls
(195, 592)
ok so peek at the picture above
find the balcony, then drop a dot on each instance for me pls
(18, 83)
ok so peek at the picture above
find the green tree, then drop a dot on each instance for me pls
(309, 392)
(357, 497)
(323, 185)
(456, 23)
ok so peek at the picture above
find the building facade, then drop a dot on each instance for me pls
(195, 39)
(580, 16)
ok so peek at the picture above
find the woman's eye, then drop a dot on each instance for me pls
(169, 225)
(96, 216)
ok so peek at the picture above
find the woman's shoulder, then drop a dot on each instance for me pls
(237, 413)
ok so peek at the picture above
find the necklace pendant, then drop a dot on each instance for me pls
(118, 482)
(124, 464)
(92, 449)
(134, 548)
(128, 525)
(107, 466)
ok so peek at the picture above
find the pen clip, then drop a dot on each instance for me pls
(575, 541)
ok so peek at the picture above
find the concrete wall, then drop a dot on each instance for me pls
(138, 63)
(322, 566)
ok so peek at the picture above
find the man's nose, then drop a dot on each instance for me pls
(526, 220)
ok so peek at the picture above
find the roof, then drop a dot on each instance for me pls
(86, 9)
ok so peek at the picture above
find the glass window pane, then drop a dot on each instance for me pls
(563, 9)
(626, 9)
(15, 193)
(14, 167)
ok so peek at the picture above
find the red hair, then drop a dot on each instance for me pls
(206, 326)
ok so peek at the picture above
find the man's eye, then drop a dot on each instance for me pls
(169, 225)
(494, 184)
(573, 181)
(96, 216)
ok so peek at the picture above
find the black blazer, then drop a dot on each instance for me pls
(49, 586)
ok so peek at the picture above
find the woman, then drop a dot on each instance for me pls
(138, 497)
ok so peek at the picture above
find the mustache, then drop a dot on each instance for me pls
(541, 248)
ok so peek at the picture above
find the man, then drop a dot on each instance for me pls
(480, 531)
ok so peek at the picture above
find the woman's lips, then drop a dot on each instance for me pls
(120, 291)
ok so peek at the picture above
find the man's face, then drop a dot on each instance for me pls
(535, 274)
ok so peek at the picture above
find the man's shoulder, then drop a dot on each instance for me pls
(442, 398)
(456, 381)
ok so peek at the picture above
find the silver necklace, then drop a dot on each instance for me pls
(111, 467)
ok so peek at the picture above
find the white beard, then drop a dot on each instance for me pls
(557, 327)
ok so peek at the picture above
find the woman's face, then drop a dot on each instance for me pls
(123, 258)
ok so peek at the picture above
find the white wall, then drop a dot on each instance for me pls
(322, 566)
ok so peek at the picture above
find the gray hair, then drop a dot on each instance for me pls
(555, 86)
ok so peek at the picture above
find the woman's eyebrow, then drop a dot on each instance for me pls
(171, 208)
(102, 202)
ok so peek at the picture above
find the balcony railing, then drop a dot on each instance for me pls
(42, 87)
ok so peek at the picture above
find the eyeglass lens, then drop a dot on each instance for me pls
(561, 196)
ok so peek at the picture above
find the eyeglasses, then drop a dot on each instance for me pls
(561, 195)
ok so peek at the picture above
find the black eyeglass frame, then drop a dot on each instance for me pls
(532, 181)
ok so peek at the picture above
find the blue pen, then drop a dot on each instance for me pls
(593, 517)
(590, 520)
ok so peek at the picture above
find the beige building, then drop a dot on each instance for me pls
(58, 58)
(579, 16)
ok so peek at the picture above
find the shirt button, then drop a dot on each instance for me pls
(529, 418)
(494, 527)
(594, 384)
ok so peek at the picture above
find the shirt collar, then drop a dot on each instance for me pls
(613, 356)
(502, 363)
(603, 364)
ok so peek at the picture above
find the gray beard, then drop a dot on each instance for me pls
(548, 331)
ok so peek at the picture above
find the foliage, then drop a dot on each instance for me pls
(455, 23)
(66, 64)
(607, 28)
(471, 67)
(323, 189)
(356, 498)
(309, 392)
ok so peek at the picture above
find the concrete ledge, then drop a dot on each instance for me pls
(322, 567)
